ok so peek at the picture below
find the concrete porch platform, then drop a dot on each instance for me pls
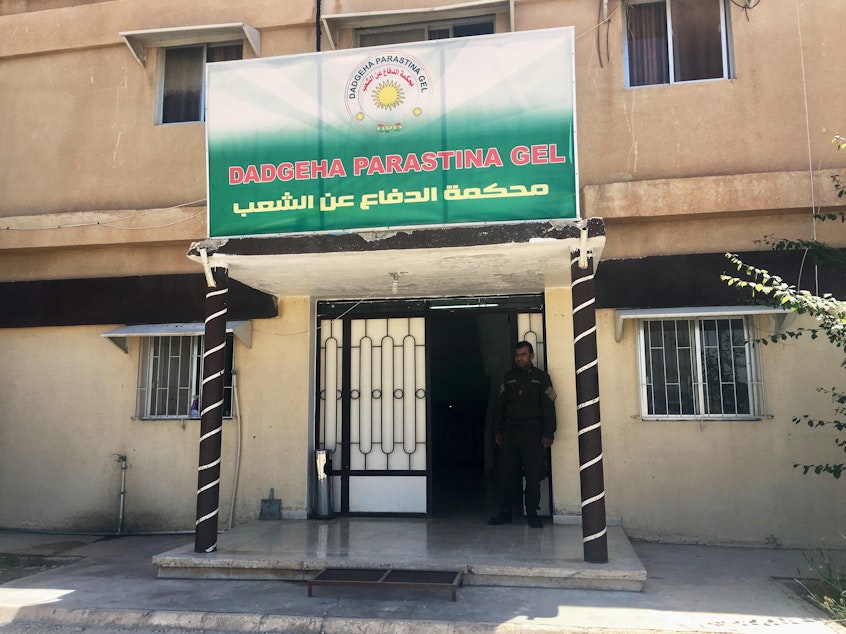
(510, 555)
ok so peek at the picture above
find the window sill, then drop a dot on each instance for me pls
(701, 421)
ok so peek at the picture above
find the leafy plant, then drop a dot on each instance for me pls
(830, 314)
(827, 587)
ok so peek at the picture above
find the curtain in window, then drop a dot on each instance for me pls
(697, 40)
(225, 53)
(395, 36)
(647, 43)
(183, 80)
(183, 84)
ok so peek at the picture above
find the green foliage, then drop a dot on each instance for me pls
(827, 587)
(819, 252)
(830, 314)
(828, 311)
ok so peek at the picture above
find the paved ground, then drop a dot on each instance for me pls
(112, 588)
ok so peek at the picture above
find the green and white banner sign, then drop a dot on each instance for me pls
(458, 131)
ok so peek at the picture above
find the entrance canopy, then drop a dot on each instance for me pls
(429, 262)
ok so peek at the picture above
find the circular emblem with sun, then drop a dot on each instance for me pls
(388, 92)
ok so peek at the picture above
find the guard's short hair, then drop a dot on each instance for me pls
(524, 344)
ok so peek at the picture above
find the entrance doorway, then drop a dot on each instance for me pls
(468, 354)
(406, 396)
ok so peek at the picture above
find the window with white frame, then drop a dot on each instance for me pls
(672, 41)
(422, 31)
(170, 373)
(698, 369)
(182, 94)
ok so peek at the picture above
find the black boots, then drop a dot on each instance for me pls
(504, 517)
(500, 518)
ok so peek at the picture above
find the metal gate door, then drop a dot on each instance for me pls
(372, 413)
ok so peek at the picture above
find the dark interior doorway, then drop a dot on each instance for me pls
(468, 354)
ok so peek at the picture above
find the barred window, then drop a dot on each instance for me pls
(698, 369)
(170, 373)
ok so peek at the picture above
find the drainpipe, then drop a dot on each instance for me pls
(317, 24)
(122, 460)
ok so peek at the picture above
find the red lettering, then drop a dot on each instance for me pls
(376, 166)
(236, 175)
(412, 163)
(393, 163)
(285, 171)
(536, 155)
(319, 169)
(473, 158)
(520, 155)
(492, 158)
(553, 148)
(430, 161)
(337, 168)
(268, 173)
(301, 169)
(540, 154)
(252, 175)
(359, 165)
(445, 156)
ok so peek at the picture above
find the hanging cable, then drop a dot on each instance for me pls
(745, 6)
(238, 445)
(810, 159)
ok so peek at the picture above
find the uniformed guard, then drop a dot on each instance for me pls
(524, 427)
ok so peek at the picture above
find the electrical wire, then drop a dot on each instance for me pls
(746, 6)
(600, 23)
(810, 158)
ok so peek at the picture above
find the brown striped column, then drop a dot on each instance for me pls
(594, 530)
(211, 416)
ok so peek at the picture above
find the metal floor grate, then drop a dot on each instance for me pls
(373, 577)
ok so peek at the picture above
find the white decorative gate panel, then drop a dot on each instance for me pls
(373, 412)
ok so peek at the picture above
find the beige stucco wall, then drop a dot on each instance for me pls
(92, 188)
(68, 399)
(276, 403)
(85, 123)
(721, 482)
(728, 482)
(733, 481)
(561, 366)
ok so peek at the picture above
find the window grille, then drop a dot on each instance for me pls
(704, 368)
(170, 373)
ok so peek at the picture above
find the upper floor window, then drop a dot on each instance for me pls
(698, 369)
(422, 31)
(170, 375)
(182, 94)
(671, 41)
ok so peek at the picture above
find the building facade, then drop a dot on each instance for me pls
(700, 127)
